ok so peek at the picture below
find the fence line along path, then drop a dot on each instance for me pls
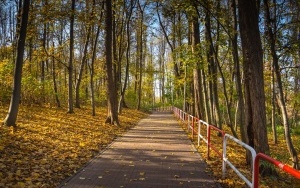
(155, 153)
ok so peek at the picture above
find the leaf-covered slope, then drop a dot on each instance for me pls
(49, 144)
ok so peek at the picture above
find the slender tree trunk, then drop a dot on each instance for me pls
(273, 115)
(172, 47)
(228, 107)
(43, 63)
(280, 97)
(140, 57)
(238, 81)
(161, 62)
(92, 65)
(70, 66)
(92, 70)
(11, 117)
(184, 107)
(213, 74)
(114, 49)
(198, 93)
(54, 81)
(123, 89)
(82, 64)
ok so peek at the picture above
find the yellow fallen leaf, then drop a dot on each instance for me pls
(18, 172)
(21, 184)
(81, 144)
(35, 175)
(18, 161)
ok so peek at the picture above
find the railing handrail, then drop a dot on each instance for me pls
(209, 145)
(226, 161)
(255, 157)
(269, 159)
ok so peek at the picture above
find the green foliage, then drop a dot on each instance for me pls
(6, 72)
(131, 98)
(280, 129)
(178, 103)
(35, 91)
(295, 131)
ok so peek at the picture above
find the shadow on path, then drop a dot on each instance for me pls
(155, 153)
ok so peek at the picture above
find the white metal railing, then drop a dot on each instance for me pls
(200, 136)
(226, 161)
(189, 119)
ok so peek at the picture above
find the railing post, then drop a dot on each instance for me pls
(224, 157)
(193, 128)
(199, 127)
(189, 123)
(208, 141)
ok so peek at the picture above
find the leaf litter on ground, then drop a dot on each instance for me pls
(236, 155)
(49, 145)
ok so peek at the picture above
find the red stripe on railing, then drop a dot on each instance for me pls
(185, 116)
(209, 145)
(269, 159)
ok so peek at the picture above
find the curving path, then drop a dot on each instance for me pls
(154, 154)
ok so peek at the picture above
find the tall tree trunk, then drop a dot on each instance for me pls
(161, 62)
(140, 56)
(273, 115)
(11, 118)
(71, 54)
(198, 93)
(112, 116)
(255, 118)
(114, 48)
(172, 46)
(213, 74)
(123, 89)
(82, 64)
(54, 80)
(280, 97)
(205, 97)
(92, 65)
(43, 63)
(238, 81)
(92, 70)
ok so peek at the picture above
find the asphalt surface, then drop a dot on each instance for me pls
(156, 153)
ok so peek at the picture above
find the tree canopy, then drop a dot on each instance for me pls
(227, 65)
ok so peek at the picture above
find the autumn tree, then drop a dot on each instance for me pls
(11, 117)
(237, 70)
(271, 28)
(71, 55)
(112, 116)
(129, 10)
(255, 116)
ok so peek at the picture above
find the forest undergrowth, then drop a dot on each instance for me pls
(236, 155)
(49, 145)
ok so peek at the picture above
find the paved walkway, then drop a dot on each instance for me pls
(155, 153)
